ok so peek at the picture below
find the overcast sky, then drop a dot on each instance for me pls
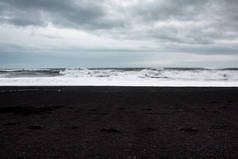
(118, 33)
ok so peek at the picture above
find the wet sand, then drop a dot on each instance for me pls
(118, 122)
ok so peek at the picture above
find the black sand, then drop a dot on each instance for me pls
(118, 122)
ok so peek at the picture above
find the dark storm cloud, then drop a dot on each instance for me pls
(93, 13)
(80, 13)
(195, 26)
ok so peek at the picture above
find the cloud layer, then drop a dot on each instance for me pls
(205, 27)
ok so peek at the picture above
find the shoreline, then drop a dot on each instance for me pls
(74, 82)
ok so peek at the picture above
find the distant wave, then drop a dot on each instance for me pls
(29, 73)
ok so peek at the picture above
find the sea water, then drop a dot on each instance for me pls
(171, 77)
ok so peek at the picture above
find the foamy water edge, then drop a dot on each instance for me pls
(121, 77)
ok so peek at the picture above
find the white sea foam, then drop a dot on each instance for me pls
(121, 77)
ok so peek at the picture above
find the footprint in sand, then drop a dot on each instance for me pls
(110, 130)
(35, 127)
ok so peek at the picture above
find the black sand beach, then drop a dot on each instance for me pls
(118, 122)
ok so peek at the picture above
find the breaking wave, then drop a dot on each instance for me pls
(169, 74)
(121, 76)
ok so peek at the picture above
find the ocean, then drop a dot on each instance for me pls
(168, 77)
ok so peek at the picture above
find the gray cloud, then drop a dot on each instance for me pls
(70, 13)
(167, 26)
(161, 10)
(94, 14)
(209, 20)
(8, 47)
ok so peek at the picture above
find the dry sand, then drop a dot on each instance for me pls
(118, 122)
